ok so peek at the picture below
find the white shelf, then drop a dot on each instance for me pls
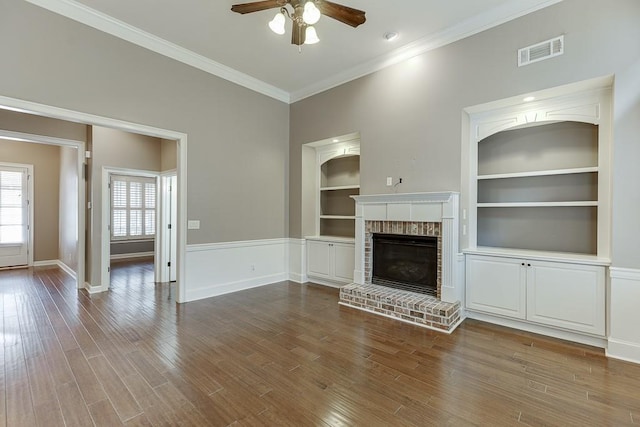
(341, 187)
(337, 217)
(538, 204)
(539, 173)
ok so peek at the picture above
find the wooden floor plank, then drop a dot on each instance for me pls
(284, 354)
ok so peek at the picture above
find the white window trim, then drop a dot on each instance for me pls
(143, 209)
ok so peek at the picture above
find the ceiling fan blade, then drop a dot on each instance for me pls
(344, 14)
(298, 34)
(257, 6)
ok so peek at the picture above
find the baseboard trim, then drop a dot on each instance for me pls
(323, 282)
(46, 263)
(241, 285)
(64, 267)
(594, 341)
(94, 289)
(622, 350)
(298, 278)
(57, 263)
(116, 257)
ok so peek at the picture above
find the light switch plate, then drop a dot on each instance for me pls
(193, 224)
(389, 181)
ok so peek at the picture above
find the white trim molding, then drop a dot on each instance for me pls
(56, 262)
(105, 23)
(624, 335)
(219, 268)
(421, 207)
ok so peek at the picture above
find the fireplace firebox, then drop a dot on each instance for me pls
(406, 262)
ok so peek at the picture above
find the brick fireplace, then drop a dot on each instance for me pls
(416, 214)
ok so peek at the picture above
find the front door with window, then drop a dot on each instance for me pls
(14, 215)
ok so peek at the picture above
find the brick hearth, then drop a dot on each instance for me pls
(412, 307)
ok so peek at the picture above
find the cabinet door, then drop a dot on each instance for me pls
(344, 261)
(496, 285)
(569, 296)
(318, 259)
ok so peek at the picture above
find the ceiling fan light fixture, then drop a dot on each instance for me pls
(311, 13)
(311, 37)
(277, 23)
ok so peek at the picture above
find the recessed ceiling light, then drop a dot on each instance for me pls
(390, 36)
(529, 98)
(336, 140)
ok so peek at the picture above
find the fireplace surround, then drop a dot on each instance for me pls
(408, 215)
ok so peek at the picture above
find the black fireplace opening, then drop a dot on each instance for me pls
(406, 262)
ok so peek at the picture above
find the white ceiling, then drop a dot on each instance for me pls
(241, 48)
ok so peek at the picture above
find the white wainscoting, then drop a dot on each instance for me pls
(220, 268)
(298, 260)
(624, 334)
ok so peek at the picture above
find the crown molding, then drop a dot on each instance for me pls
(475, 25)
(102, 22)
(105, 23)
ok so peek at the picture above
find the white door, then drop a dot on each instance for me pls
(173, 221)
(14, 216)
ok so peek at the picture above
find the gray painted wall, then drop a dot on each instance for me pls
(410, 115)
(237, 139)
(28, 123)
(46, 177)
(116, 149)
(68, 211)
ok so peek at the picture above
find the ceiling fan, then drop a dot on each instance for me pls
(305, 14)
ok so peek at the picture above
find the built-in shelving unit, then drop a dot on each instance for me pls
(530, 180)
(331, 249)
(339, 179)
(539, 213)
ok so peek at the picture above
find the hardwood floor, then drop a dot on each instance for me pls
(280, 355)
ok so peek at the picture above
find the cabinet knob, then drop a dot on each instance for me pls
(523, 264)
(528, 265)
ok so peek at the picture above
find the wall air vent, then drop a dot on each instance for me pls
(541, 51)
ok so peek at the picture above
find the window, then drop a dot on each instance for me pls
(11, 207)
(133, 207)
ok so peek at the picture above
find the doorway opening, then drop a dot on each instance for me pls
(94, 120)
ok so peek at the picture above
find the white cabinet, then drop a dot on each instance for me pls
(331, 260)
(559, 294)
(496, 285)
(568, 296)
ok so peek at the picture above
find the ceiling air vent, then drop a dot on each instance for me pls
(541, 51)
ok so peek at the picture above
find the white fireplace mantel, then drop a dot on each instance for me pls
(416, 207)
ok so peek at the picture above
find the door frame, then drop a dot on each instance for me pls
(30, 214)
(80, 150)
(162, 270)
(91, 119)
(105, 261)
